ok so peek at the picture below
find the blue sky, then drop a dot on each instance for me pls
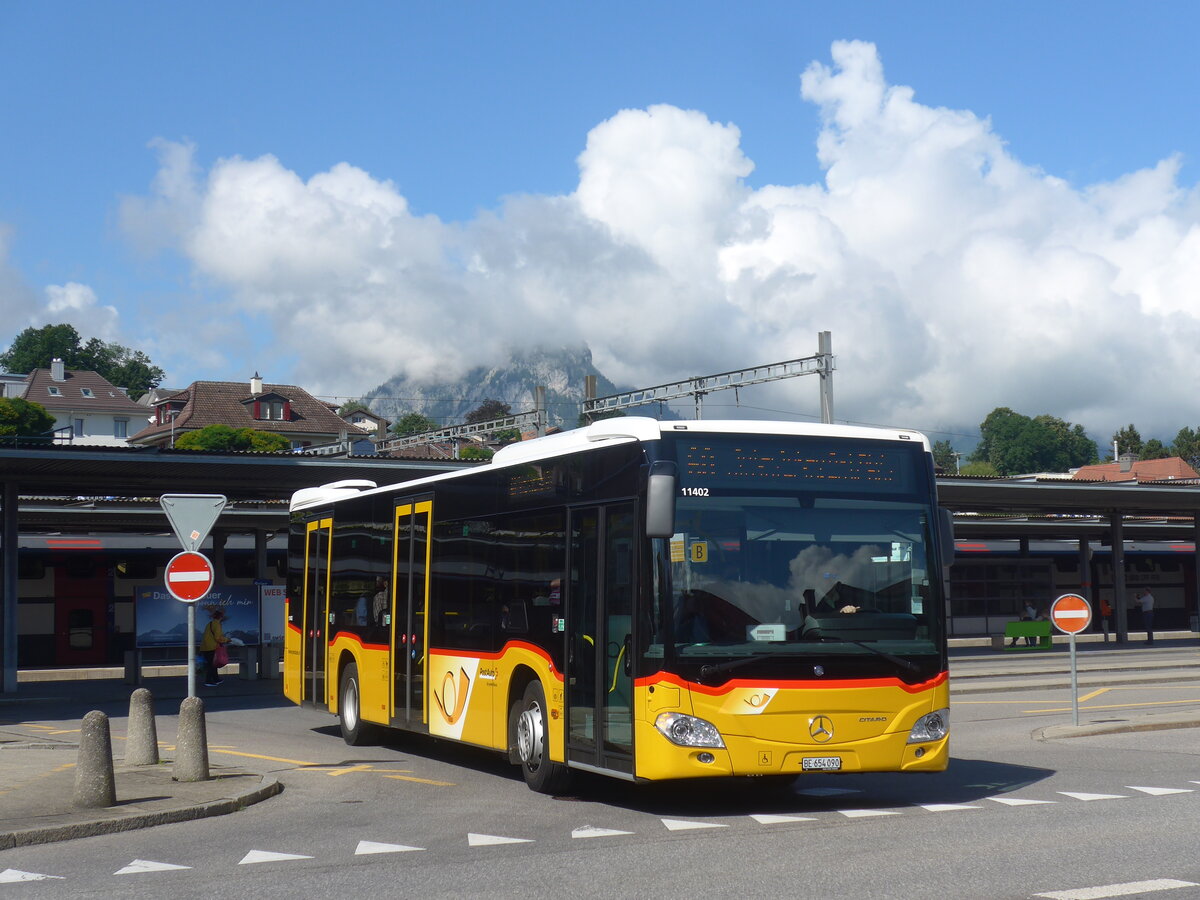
(451, 111)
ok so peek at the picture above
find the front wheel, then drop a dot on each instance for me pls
(355, 731)
(533, 744)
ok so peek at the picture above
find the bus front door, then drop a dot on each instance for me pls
(410, 592)
(314, 624)
(599, 631)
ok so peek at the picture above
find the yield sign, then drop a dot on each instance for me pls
(189, 576)
(1070, 613)
(192, 516)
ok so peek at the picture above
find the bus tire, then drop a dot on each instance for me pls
(533, 743)
(355, 731)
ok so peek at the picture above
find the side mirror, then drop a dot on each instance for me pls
(946, 535)
(660, 499)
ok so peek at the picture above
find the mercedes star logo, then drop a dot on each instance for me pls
(820, 729)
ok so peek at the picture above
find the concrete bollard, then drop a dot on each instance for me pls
(95, 785)
(191, 744)
(141, 737)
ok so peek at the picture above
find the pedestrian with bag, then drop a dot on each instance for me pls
(1146, 599)
(212, 648)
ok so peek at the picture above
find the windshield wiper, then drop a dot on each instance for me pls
(711, 669)
(906, 664)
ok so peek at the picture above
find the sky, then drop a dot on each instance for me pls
(986, 205)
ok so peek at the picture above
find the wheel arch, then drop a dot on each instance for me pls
(521, 677)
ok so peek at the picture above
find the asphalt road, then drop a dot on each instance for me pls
(1016, 815)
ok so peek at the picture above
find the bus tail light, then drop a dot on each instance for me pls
(688, 731)
(931, 727)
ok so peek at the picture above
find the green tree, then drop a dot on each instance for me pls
(1154, 449)
(487, 411)
(1128, 440)
(36, 348)
(413, 423)
(352, 406)
(21, 418)
(1187, 446)
(224, 437)
(1016, 444)
(475, 452)
(944, 457)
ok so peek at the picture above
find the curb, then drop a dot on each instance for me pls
(267, 787)
(1059, 732)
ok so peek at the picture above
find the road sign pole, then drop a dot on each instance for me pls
(1074, 684)
(192, 649)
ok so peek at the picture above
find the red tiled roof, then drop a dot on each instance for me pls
(230, 403)
(1170, 469)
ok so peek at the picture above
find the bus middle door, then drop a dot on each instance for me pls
(599, 632)
(410, 594)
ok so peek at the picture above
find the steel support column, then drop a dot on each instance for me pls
(8, 591)
(1120, 603)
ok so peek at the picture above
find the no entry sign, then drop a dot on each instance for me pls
(1070, 613)
(189, 576)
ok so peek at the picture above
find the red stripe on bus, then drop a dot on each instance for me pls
(820, 684)
(354, 638)
(511, 645)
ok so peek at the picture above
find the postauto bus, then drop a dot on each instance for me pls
(647, 600)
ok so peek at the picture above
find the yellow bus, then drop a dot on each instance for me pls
(647, 600)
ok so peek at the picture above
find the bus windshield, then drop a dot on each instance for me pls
(768, 565)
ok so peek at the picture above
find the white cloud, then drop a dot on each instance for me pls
(79, 305)
(954, 277)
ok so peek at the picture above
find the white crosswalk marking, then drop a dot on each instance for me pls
(146, 865)
(491, 840)
(765, 819)
(9, 876)
(1082, 796)
(366, 847)
(683, 825)
(947, 807)
(1157, 791)
(262, 856)
(1017, 801)
(591, 831)
(865, 813)
(1118, 890)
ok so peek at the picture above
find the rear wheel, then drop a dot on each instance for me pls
(533, 743)
(355, 731)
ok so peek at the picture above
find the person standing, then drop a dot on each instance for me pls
(1146, 599)
(214, 636)
(1105, 617)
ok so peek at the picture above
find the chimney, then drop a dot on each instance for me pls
(256, 385)
(58, 371)
(1126, 461)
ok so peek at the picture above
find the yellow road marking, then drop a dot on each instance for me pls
(1117, 705)
(1095, 693)
(421, 780)
(294, 762)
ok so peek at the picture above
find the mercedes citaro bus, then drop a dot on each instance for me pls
(647, 600)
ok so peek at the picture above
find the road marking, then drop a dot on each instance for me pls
(1095, 693)
(295, 762)
(366, 847)
(591, 831)
(9, 876)
(685, 825)
(491, 840)
(1017, 801)
(1159, 792)
(146, 865)
(342, 770)
(947, 807)
(261, 856)
(412, 778)
(864, 813)
(1088, 797)
(1118, 890)
(764, 819)
(1118, 706)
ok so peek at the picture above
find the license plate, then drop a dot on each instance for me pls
(821, 763)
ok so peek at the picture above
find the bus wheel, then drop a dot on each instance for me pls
(355, 731)
(533, 745)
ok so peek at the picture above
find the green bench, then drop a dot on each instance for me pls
(1022, 630)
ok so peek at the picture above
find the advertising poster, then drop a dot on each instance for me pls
(161, 620)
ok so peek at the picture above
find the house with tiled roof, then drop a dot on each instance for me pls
(1140, 470)
(87, 408)
(283, 409)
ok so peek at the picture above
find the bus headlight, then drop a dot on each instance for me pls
(688, 731)
(931, 727)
